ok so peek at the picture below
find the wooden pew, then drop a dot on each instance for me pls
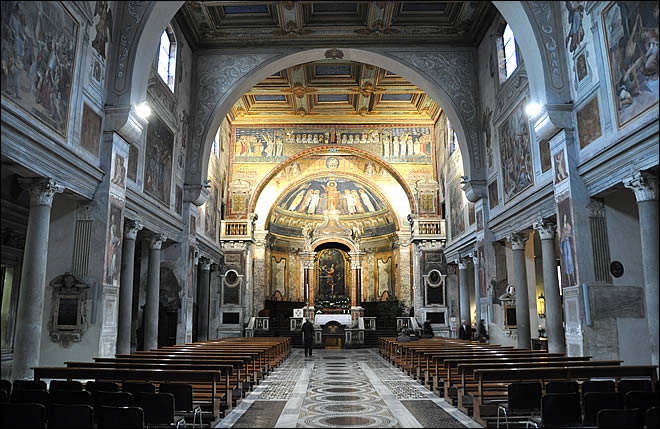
(211, 377)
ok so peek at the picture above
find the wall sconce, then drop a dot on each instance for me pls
(540, 305)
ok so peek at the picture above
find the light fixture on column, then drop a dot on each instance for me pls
(540, 305)
(533, 109)
(143, 110)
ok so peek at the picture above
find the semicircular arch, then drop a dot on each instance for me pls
(341, 175)
(338, 149)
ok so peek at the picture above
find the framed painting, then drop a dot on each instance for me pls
(456, 205)
(493, 195)
(331, 270)
(38, 59)
(90, 131)
(515, 153)
(631, 38)
(588, 123)
(158, 161)
(566, 243)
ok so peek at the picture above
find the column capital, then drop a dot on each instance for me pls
(545, 229)
(131, 228)
(475, 258)
(41, 189)
(205, 263)
(645, 185)
(156, 241)
(517, 240)
(462, 264)
(596, 208)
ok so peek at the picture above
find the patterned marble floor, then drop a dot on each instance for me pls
(342, 388)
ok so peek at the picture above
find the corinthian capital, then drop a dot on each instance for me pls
(545, 229)
(41, 189)
(156, 241)
(517, 240)
(131, 228)
(644, 185)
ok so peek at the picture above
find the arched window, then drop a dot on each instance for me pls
(452, 140)
(167, 57)
(215, 148)
(507, 53)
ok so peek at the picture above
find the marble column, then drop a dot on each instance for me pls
(520, 282)
(131, 229)
(645, 187)
(203, 303)
(153, 292)
(553, 307)
(477, 301)
(464, 292)
(29, 317)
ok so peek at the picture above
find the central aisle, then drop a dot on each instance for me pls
(342, 388)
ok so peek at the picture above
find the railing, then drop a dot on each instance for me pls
(235, 229)
(262, 324)
(429, 229)
(369, 323)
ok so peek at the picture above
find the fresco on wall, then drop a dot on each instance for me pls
(493, 197)
(211, 210)
(384, 276)
(331, 269)
(482, 268)
(456, 205)
(39, 42)
(631, 34)
(90, 131)
(588, 123)
(158, 163)
(575, 29)
(317, 196)
(132, 162)
(103, 26)
(566, 242)
(515, 153)
(471, 214)
(395, 144)
(178, 200)
(480, 220)
(581, 67)
(278, 274)
(544, 153)
(119, 172)
(113, 245)
(561, 171)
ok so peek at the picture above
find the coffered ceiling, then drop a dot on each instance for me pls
(333, 91)
(234, 23)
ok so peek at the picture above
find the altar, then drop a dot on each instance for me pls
(344, 319)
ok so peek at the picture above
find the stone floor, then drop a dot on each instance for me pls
(342, 388)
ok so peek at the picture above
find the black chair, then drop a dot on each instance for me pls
(134, 387)
(564, 386)
(652, 417)
(122, 417)
(619, 419)
(30, 385)
(183, 400)
(158, 409)
(65, 397)
(111, 399)
(626, 386)
(596, 401)
(65, 385)
(522, 399)
(5, 385)
(71, 416)
(4, 396)
(22, 416)
(641, 400)
(598, 386)
(561, 410)
(31, 397)
(101, 386)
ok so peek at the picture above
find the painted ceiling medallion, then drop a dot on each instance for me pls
(334, 54)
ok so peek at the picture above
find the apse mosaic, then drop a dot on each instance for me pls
(318, 196)
(394, 144)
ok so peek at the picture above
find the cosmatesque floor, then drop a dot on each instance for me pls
(342, 388)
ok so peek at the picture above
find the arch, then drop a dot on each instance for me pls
(342, 174)
(344, 149)
(239, 72)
